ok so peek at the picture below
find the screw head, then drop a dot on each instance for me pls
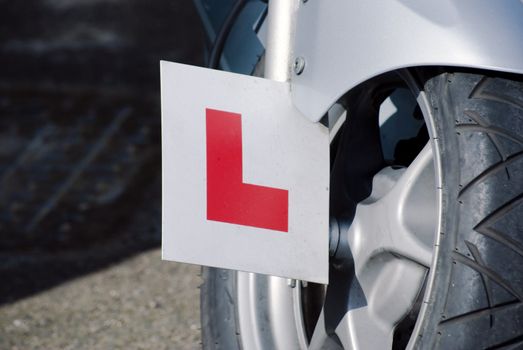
(299, 65)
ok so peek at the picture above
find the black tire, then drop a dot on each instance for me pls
(474, 297)
(220, 329)
(476, 302)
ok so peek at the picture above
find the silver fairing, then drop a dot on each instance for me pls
(345, 42)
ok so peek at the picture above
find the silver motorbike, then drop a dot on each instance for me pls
(424, 102)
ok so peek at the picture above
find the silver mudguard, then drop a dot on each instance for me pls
(345, 42)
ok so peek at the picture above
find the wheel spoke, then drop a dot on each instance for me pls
(389, 292)
(414, 207)
(399, 216)
(390, 240)
(360, 329)
(320, 339)
(319, 336)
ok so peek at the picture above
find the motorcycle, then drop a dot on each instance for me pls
(424, 106)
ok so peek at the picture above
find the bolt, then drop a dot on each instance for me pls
(299, 65)
(291, 282)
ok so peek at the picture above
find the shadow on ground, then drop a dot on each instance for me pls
(80, 133)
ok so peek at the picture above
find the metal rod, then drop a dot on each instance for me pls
(281, 27)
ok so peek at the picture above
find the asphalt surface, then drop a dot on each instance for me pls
(80, 176)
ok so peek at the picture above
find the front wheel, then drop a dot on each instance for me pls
(427, 189)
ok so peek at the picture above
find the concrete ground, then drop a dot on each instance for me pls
(140, 303)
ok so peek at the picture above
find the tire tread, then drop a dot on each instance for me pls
(485, 240)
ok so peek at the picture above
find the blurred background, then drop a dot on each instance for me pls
(80, 175)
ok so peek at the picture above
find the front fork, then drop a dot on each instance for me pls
(281, 28)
